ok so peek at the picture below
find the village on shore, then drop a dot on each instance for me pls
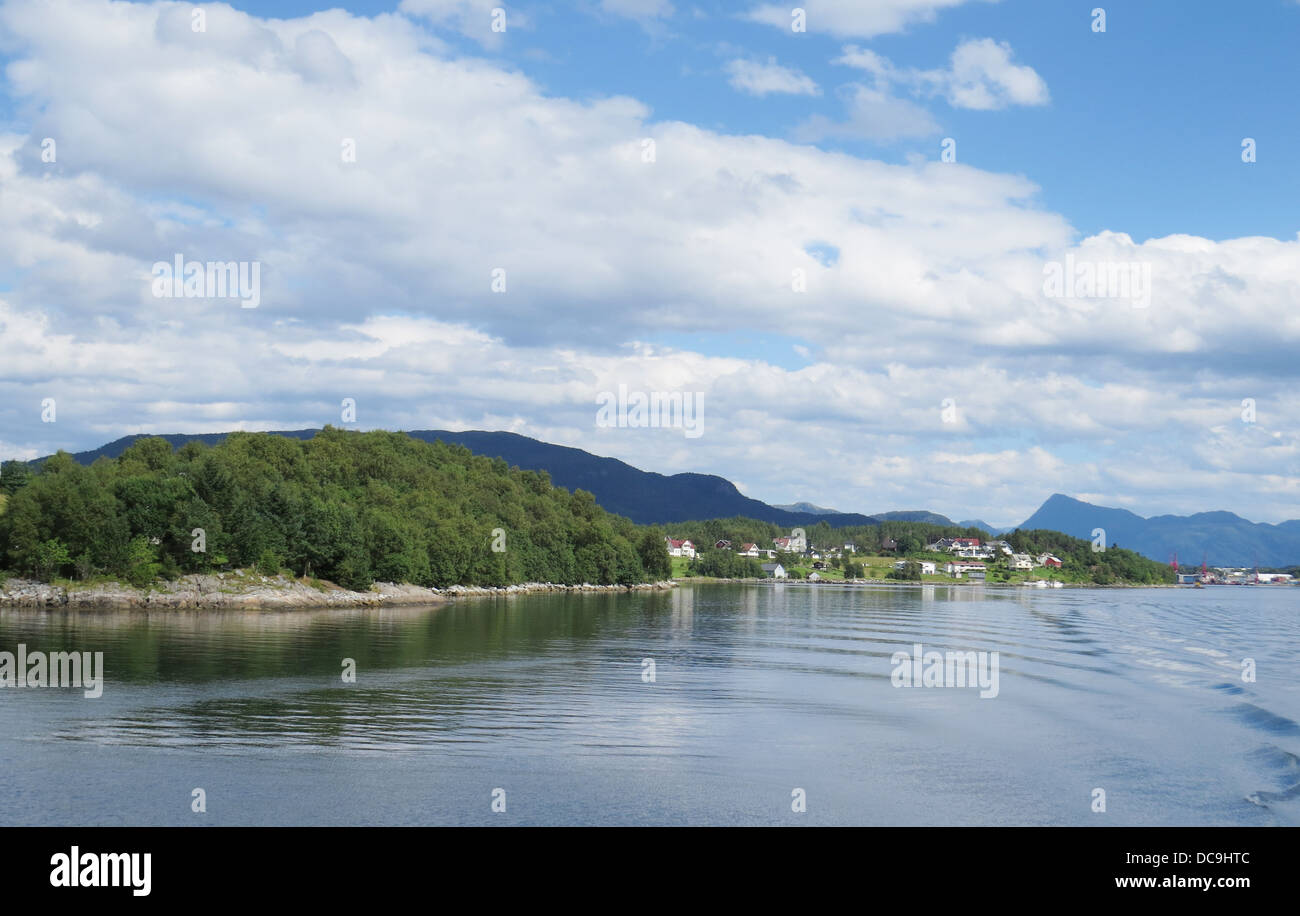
(967, 559)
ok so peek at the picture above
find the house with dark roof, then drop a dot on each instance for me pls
(774, 571)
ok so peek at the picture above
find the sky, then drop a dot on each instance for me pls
(956, 255)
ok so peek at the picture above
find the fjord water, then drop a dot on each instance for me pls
(758, 690)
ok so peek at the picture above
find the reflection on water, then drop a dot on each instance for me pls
(757, 690)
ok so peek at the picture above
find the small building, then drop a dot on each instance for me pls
(927, 566)
(814, 577)
(1022, 561)
(774, 571)
(819, 565)
(723, 545)
(795, 543)
(957, 569)
(678, 548)
(888, 544)
(749, 550)
(1049, 561)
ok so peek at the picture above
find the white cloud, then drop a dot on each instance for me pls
(472, 18)
(872, 114)
(769, 78)
(376, 279)
(855, 18)
(980, 76)
(983, 77)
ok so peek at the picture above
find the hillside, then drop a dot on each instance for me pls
(348, 507)
(644, 497)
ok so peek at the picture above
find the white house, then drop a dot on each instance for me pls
(678, 548)
(814, 577)
(774, 571)
(796, 543)
(927, 567)
(749, 550)
(1022, 561)
(956, 569)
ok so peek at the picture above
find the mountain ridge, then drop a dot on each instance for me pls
(1222, 537)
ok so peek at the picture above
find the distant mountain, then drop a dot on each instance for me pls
(934, 518)
(809, 508)
(976, 523)
(1224, 539)
(643, 496)
(914, 515)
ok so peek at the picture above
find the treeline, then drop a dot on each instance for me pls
(1114, 564)
(349, 507)
(909, 536)
(724, 564)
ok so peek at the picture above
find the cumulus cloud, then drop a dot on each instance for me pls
(980, 76)
(378, 279)
(757, 78)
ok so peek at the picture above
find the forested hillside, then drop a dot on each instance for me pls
(643, 496)
(348, 507)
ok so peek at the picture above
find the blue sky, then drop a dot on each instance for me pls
(1142, 134)
(778, 154)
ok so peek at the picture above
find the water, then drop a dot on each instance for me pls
(758, 691)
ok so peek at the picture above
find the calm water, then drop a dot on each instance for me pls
(758, 690)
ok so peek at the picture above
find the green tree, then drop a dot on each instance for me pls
(49, 558)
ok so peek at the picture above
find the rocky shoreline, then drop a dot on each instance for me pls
(249, 590)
